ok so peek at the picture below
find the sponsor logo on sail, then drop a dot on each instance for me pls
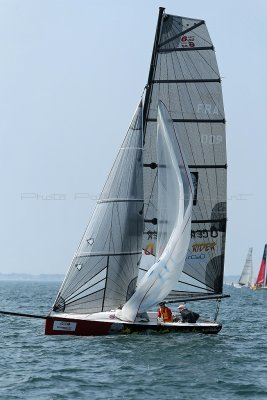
(200, 247)
(149, 249)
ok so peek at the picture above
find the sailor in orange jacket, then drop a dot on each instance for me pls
(165, 313)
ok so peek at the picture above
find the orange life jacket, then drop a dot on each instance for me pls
(166, 314)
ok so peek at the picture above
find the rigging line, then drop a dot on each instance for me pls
(186, 49)
(118, 155)
(112, 291)
(152, 69)
(217, 189)
(16, 314)
(182, 33)
(177, 28)
(93, 300)
(202, 268)
(109, 248)
(116, 282)
(77, 290)
(76, 285)
(122, 275)
(105, 287)
(89, 267)
(74, 296)
(70, 267)
(195, 286)
(120, 229)
(177, 292)
(208, 42)
(206, 61)
(143, 269)
(132, 159)
(149, 200)
(202, 37)
(198, 280)
(194, 298)
(201, 145)
(175, 62)
(84, 279)
(204, 83)
(79, 302)
(207, 178)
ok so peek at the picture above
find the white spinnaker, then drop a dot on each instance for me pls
(174, 222)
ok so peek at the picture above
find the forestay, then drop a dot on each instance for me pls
(104, 270)
(185, 76)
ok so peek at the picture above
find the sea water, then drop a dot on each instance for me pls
(229, 365)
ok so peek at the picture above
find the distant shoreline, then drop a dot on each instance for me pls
(30, 277)
(60, 277)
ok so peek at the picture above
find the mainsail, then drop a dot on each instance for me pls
(262, 276)
(185, 76)
(104, 270)
(247, 272)
(175, 196)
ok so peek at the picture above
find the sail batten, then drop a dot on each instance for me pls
(171, 50)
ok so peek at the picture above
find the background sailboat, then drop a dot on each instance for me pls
(261, 281)
(246, 277)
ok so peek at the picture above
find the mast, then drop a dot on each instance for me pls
(152, 69)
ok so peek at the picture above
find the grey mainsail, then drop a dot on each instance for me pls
(104, 270)
(246, 277)
(185, 76)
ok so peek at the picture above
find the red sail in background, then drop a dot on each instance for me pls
(261, 279)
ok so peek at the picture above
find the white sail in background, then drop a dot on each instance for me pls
(246, 277)
(175, 198)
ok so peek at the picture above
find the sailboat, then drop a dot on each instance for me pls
(261, 281)
(159, 226)
(246, 277)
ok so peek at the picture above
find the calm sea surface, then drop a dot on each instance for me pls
(230, 365)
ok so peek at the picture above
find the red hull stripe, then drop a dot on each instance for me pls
(64, 326)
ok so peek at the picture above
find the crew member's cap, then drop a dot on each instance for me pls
(182, 307)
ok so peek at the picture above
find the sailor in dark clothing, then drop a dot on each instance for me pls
(187, 315)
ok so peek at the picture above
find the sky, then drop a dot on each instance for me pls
(71, 75)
